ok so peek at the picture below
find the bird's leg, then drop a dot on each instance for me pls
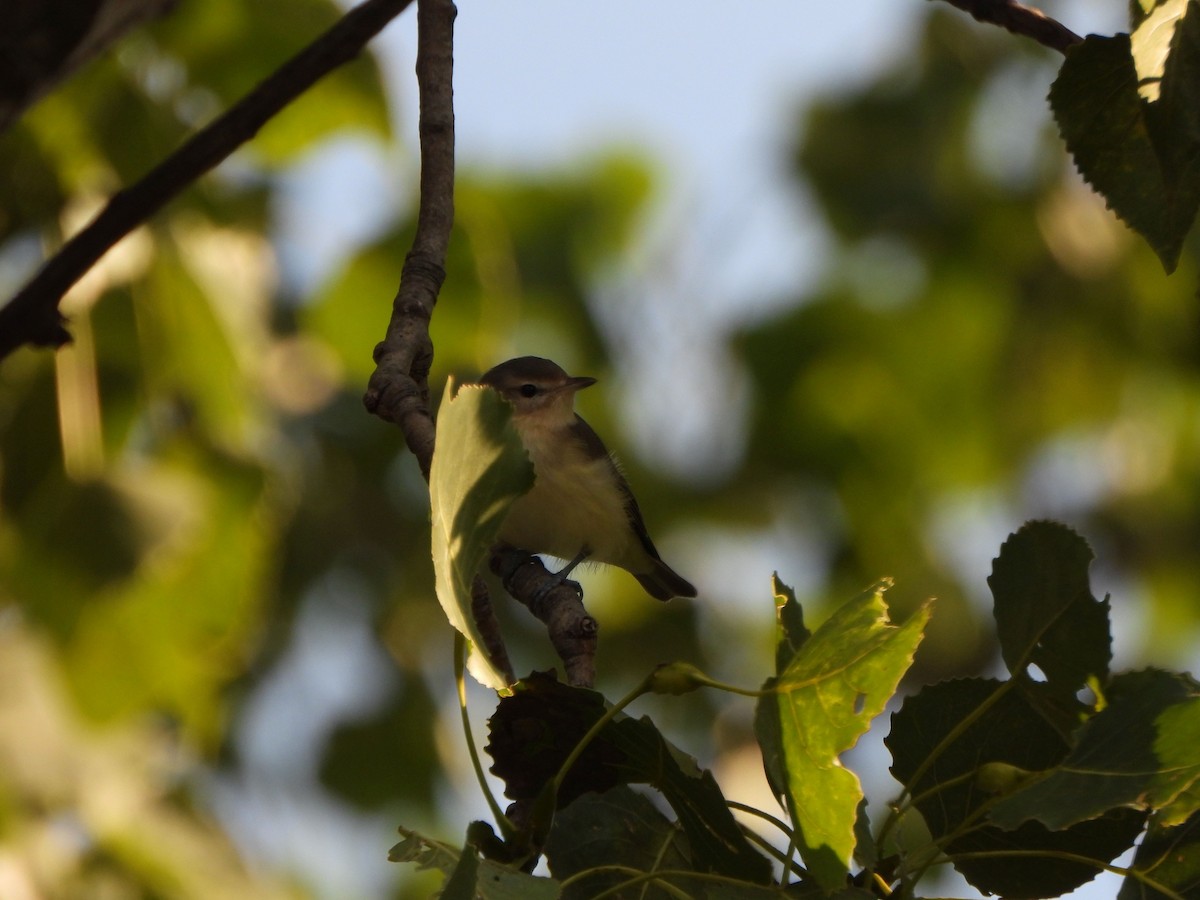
(560, 577)
(584, 552)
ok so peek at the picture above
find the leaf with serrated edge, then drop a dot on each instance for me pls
(838, 681)
(1044, 608)
(1142, 750)
(1141, 156)
(479, 469)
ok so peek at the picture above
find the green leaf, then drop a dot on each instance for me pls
(790, 635)
(534, 730)
(790, 631)
(817, 708)
(483, 878)
(1045, 612)
(616, 827)
(1136, 143)
(479, 468)
(1142, 750)
(944, 782)
(1169, 857)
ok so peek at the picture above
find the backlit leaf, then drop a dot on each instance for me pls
(479, 468)
(817, 708)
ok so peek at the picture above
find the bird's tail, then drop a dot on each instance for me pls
(663, 582)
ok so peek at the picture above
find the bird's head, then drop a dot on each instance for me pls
(535, 386)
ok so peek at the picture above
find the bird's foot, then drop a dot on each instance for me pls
(560, 577)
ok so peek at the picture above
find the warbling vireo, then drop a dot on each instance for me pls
(580, 506)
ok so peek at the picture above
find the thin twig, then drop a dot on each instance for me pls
(399, 387)
(32, 316)
(1022, 20)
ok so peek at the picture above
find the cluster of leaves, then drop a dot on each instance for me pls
(1028, 786)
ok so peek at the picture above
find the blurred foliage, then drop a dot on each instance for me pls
(974, 326)
(183, 487)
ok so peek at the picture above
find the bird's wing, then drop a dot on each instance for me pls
(595, 449)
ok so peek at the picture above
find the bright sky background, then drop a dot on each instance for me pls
(710, 90)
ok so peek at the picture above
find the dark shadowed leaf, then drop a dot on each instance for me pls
(790, 631)
(1142, 750)
(951, 792)
(1045, 612)
(1135, 139)
(534, 730)
(618, 827)
(1169, 857)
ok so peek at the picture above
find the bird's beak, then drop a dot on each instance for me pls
(579, 383)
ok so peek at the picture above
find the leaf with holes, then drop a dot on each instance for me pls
(1142, 750)
(1045, 612)
(833, 684)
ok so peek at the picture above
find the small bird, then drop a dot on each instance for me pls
(580, 506)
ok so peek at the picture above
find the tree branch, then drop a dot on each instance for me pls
(399, 387)
(32, 316)
(1022, 20)
(558, 604)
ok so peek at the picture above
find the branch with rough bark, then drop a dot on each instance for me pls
(1022, 20)
(399, 387)
(398, 390)
(558, 604)
(32, 316)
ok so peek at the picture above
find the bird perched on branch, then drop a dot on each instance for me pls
(580, 507)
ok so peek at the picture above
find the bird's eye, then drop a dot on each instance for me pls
(528, 390)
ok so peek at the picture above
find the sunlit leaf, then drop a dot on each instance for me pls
(479, 468)
(834, 684)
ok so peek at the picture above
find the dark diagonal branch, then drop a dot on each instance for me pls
(32, 316)
(1022, 20)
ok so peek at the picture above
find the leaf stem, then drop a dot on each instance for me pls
(905, 798)
(765, 816)
(460, 679)
(594, 731)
